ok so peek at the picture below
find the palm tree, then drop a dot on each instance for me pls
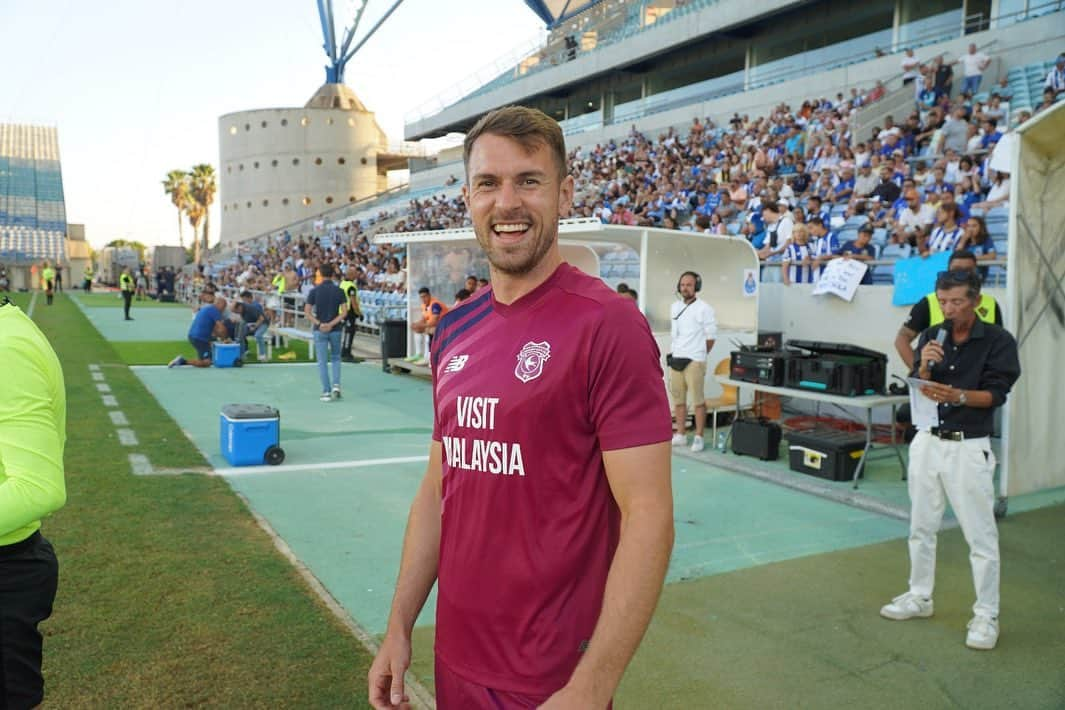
(176, 186)
(196, 212)
(203, 186)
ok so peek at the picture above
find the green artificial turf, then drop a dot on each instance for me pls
(170, 594)
(104, 299)
(160, 352)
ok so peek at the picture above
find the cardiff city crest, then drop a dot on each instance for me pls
(531, 360)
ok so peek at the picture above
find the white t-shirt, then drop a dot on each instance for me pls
(999, 191)
(691, 325)
(909, 67)
(909, 220)
(974, 63)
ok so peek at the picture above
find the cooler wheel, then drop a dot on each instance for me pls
(275, 455)
(240, 363)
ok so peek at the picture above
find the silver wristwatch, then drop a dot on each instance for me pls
(962, 399)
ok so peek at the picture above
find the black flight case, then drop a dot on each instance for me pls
(837, 368)
(825, 453)
(760, 367)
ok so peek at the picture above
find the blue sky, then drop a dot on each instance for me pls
(136, 87)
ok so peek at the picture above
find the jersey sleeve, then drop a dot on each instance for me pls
(31, 444)
(626, 390)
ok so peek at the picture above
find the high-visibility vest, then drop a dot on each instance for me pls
(985, 310)
(279, 282)
(427, 311)
(126, 281)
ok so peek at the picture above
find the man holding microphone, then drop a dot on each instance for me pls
(969, 367)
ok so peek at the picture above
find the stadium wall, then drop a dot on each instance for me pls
(1035, 306)
(278, 166)
(870, 320)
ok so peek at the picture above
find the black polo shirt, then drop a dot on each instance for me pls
(986, 361)
(326, 299)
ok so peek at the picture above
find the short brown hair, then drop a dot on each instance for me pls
(530, 127)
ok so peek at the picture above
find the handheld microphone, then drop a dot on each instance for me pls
(941, 337)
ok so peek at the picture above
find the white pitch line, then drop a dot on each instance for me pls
(248, 470)
(109, 400)
(97, 376)
(140, 464)
(102, 387)
(33, 304)
(126, 437)
(94, 367)
(119, 418)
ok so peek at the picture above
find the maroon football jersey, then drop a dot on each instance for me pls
(527, 397)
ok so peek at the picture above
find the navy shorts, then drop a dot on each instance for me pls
(202, 348)
(29, 574)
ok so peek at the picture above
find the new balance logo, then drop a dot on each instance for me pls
(456, 363)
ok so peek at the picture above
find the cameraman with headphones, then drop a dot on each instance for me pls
(692, 330)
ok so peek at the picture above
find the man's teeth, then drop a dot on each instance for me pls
(521, 227)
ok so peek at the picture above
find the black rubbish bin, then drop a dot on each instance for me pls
(393, 340)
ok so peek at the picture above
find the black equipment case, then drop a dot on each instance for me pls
(756, 437)
(760, 367)
(837, 368)
(825, 453)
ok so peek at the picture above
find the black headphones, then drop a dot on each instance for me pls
(698, 281)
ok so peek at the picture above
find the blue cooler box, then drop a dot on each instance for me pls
(225, 354)
(249, 435)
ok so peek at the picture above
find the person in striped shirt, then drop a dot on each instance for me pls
(825, 245)
(947, 233)
(798, 262)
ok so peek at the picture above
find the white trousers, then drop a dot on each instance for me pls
(421, 344)
(961, 472)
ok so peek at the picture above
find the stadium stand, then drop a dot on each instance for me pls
(714, 177)
(33, 220)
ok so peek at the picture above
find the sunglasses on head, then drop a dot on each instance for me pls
(964, 277)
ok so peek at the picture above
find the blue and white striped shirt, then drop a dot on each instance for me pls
(942, 240)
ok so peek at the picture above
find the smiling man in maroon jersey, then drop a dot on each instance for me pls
(546, 511)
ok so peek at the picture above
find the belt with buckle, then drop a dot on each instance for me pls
(947, 435)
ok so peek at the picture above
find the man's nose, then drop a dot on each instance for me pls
(507, 198)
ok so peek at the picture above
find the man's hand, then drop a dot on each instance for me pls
(325, 327)
(938, 392)
(386, 674)
(932, 352)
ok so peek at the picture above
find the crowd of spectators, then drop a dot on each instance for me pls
(786, 181)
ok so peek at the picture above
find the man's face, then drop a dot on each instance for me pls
(956, 303)
(425, 298)
(687, 287)
(515, 199)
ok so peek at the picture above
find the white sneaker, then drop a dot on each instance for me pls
(336, 392)
(983, 633)
(326, 397)
(679, 440)
(907, 606)
(698, 444)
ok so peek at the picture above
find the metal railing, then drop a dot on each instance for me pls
(288, 307)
